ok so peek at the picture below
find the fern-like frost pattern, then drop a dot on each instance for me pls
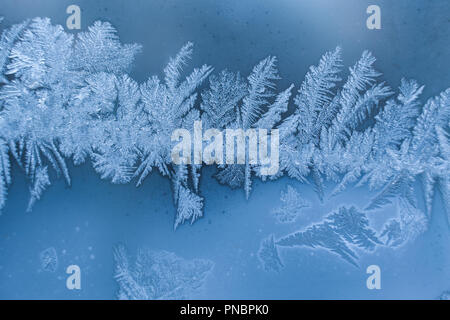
(292, 206)
(268, 255)
(158, 275)
(68, 97)
(49, 259)
(340, 233)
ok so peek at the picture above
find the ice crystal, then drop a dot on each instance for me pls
(65, 96)
(268, 255)
(292, 205)
(338, 233)
(158, 275)
(49, 259)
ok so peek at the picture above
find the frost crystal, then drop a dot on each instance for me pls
(292, 205)
(158, 275)
(41, 181)
(268, 255)
(189, 206)
(392, 230)
(68, 97)
(244, 106)
(49, 260)
(339, 232)
(410, 223)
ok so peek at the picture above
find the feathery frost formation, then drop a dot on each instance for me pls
(338, 233)
(68, 97)
(268, 255)
(158, 275)
(292, 205)
(49, 259)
